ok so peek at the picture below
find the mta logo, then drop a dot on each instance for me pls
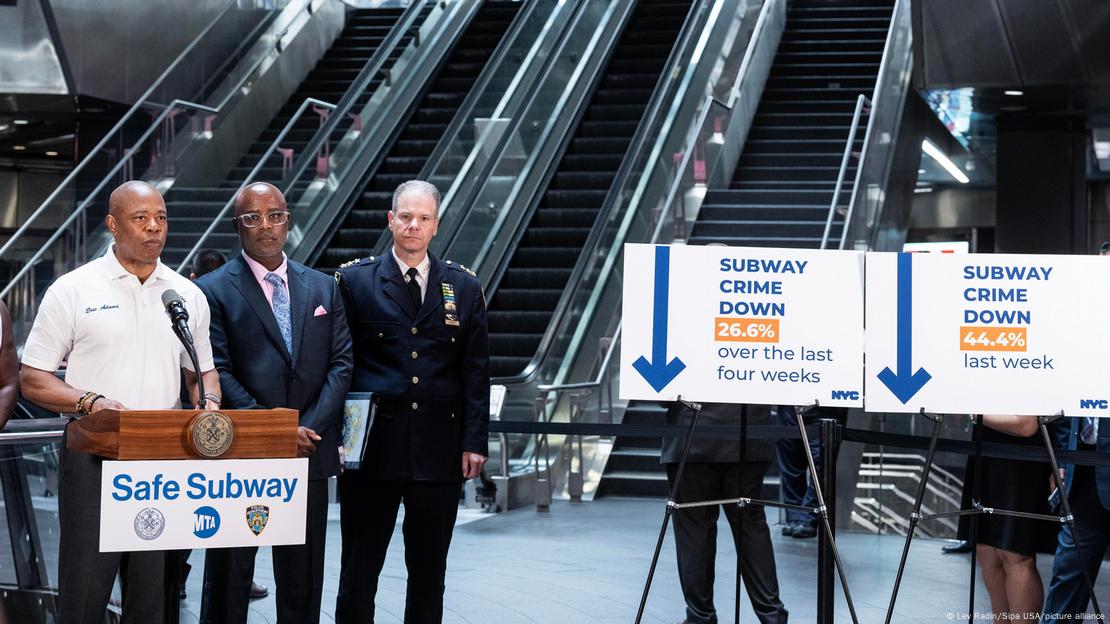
(851, 395)
(1094, 404)
(206, 521)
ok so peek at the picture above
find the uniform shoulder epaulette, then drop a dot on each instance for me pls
(459, 267)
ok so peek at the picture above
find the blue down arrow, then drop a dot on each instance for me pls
(658, 372)
(903, 384)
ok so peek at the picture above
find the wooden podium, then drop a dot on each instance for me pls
(168, 434)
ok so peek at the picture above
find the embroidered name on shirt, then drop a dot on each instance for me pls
(103, 307)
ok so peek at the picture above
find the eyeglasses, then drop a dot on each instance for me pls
(254, 219)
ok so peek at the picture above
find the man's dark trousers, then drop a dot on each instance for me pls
(793, 465)
(228, 572)
(86, 575)
(695, 531)
(369, 515)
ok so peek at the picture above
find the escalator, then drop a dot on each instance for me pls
(361, 228)
(192, 209)
(780, 193)
(533, 281)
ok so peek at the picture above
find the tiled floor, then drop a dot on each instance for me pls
(587, 562)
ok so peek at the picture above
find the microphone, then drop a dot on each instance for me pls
(179, 319)
(179, 316)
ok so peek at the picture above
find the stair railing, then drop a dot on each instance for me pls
(222, 215)
(71, 244)
(863, 224)
(862, 103)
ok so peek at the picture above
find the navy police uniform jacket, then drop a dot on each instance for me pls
(428, 368)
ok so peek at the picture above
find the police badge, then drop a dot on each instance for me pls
(257, 517)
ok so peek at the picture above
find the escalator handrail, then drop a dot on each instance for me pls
(222, 214)
(688, 36)
(369, 71)
(366, 75)
(337, 204)
(515, 121)
(460, 118)
(449, 229)
(117, 128)
(876, 95)
(79, 211)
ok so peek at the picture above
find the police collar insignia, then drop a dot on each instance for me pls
(450, 310)
(257, 517)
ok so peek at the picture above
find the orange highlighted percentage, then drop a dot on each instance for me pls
(973, 338)
(747, 330)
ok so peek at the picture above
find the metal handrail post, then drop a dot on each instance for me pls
(254, 171)
(111, 132)
(843, 166)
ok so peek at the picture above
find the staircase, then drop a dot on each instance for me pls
(366, 220)
(779, 195)
(538, 271)
(192, 209)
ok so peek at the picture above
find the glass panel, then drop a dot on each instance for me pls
(867, 226)
(535, 134)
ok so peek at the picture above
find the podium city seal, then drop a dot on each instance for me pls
(149, 524)
(211, 433)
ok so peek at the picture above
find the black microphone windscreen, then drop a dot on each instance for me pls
(169, 296)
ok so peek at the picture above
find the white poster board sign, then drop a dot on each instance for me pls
(742, 325)
(159, 505)
(987, 333)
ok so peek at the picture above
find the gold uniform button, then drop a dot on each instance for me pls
(413, 331)
(414, 406)
(414, 355)
(415, 380)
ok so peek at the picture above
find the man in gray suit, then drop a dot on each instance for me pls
(714, 471)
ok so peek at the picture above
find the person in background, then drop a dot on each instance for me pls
(1006, 547)
(713, 472)
(1088, 492)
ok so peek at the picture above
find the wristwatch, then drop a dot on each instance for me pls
(211, 398)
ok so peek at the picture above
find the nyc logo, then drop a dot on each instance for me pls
(257, 517)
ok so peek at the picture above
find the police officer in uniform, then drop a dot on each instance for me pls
(421, 346)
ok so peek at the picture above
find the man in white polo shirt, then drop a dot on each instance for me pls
(107, 319)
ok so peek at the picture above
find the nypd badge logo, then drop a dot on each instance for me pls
(257, 517)
(149, 524)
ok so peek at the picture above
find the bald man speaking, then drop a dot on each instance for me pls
(106, 318)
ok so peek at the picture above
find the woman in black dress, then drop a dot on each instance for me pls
(1007, 546)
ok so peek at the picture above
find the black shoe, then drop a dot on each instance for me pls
(258, 591)
(959, 547)
(788, 529)
(804, 531)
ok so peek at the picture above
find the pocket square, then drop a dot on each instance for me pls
(320, 311)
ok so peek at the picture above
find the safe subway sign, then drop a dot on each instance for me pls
(742, 325)
(159, 505)
(995, 334)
